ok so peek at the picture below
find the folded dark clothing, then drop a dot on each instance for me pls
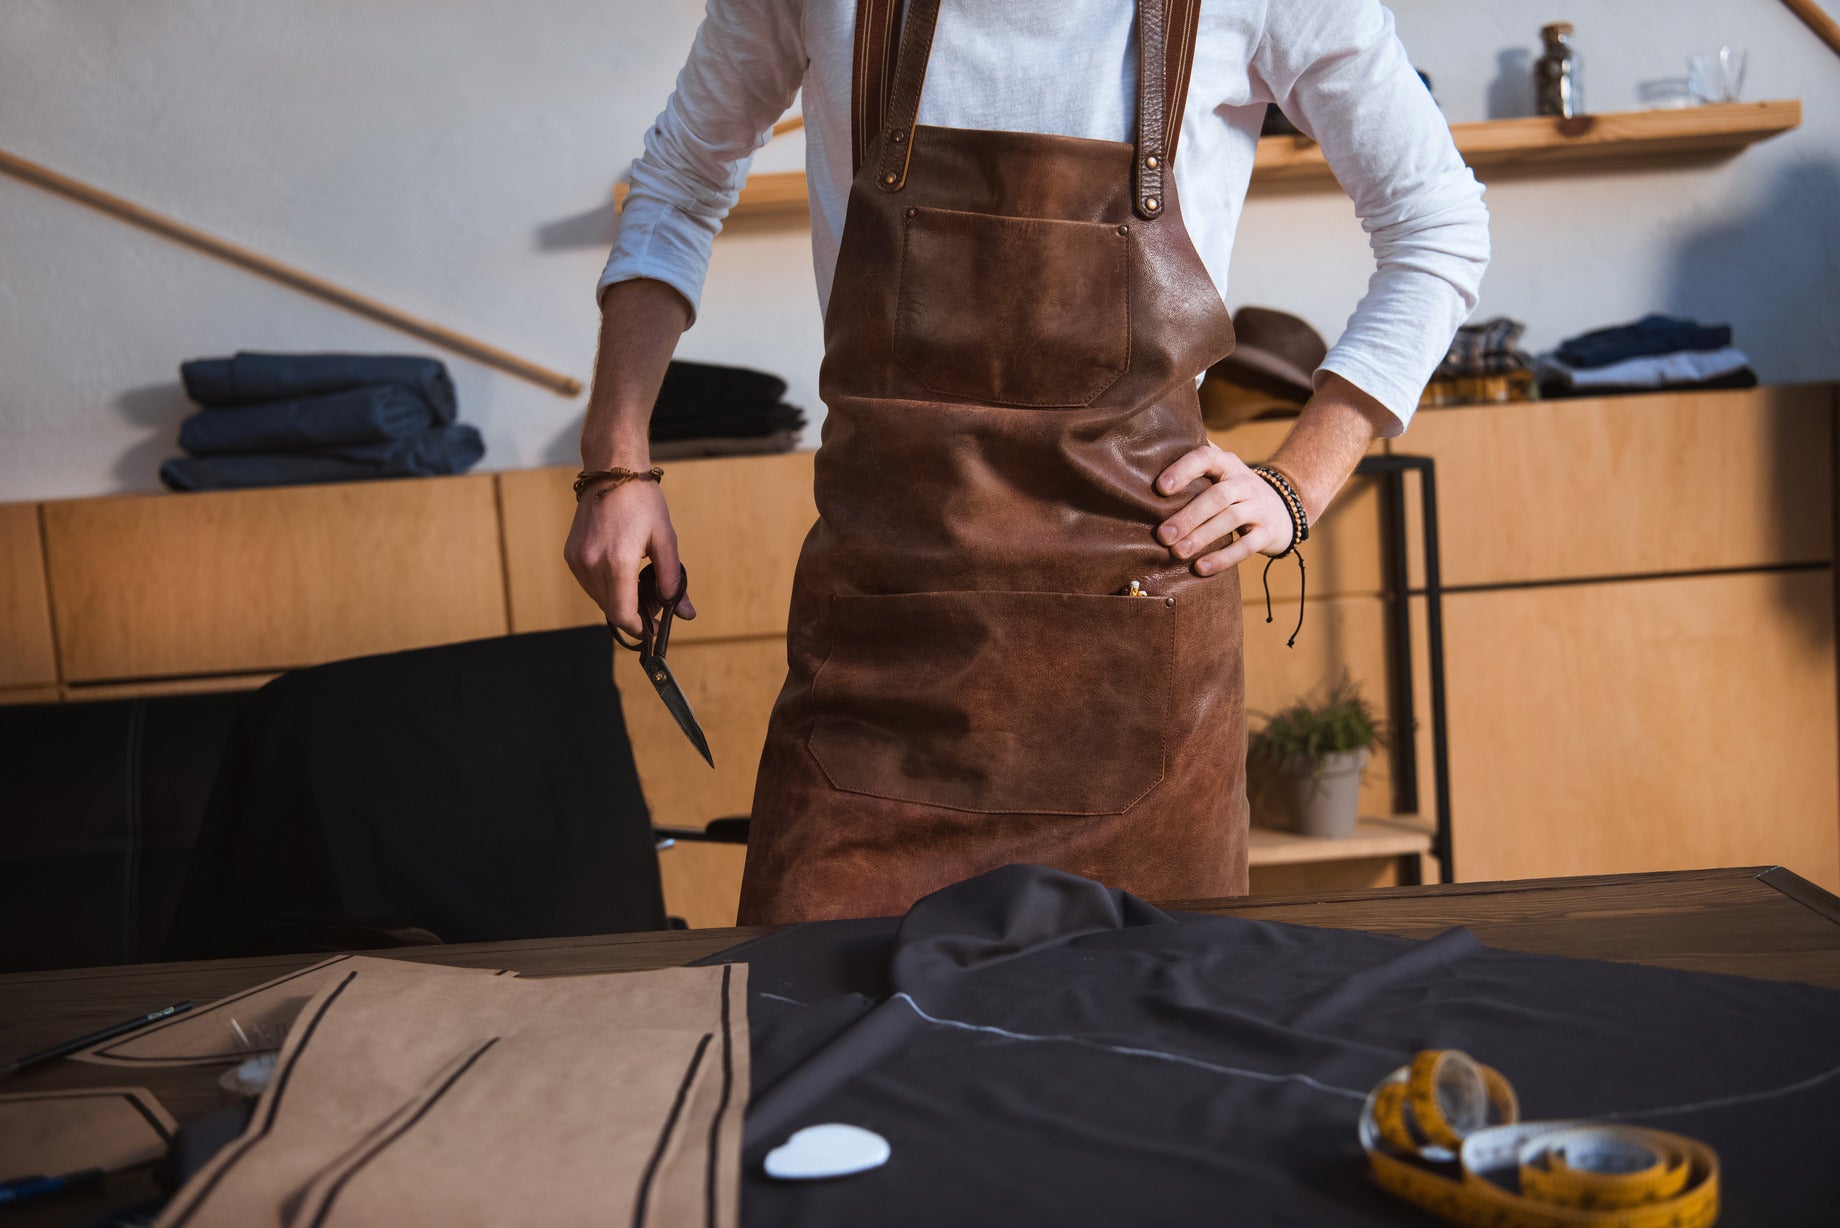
(361, 415)
(696, 387)
(1487, 348)
(729, 445)
(250, 378)
(444, 450)
(1652, 334)
(1555, 389)
(728, 424)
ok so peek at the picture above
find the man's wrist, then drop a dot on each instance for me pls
(621, 450)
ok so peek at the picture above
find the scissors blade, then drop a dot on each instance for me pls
(676, 704)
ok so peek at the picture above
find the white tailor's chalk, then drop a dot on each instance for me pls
(830, 1150)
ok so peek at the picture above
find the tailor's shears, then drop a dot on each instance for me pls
(655, 614)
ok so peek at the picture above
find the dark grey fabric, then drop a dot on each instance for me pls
(1039, 1049)
(248, 378)
(357, 416)
(444, 450)
(478, 791)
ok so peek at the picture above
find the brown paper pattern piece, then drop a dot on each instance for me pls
(614, 1097)
(53, 1132)
(204, 1036)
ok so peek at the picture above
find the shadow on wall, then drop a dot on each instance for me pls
(565, 448)
(1511, 92)
(595, 228)
(1770, 272)
(157, 408)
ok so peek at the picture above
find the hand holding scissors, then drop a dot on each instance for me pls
(656, 612)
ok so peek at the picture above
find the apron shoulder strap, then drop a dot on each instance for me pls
(870, 72)
(886, 78)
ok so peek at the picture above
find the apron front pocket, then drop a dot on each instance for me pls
(1013, 310)
(996, 702)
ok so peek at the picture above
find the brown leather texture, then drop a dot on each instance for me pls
(1011, 351)
(996, 698)
(1059, 288)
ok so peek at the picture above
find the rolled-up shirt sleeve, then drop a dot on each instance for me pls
(1338, 70)
(742, 73)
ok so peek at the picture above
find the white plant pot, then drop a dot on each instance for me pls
(1322, 795)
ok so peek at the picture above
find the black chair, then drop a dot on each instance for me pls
(99, 805)
(465, 793)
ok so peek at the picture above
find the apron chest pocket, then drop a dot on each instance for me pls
(995, 702)
(1012, 310)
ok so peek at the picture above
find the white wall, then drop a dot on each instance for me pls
(454, 158)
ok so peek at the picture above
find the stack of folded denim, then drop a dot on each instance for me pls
(1653, 353)
(706, 410)
(291, 419)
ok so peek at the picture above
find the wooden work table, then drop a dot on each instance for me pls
(1760, 922)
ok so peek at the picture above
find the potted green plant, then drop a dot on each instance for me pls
(1309, 759)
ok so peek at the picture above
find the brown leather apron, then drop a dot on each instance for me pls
(1011, 349)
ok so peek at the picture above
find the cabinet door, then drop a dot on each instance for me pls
(1630, 485)
(232, 582)
(1643, 725)
(26, 656)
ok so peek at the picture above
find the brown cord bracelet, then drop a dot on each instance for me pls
(613, 479)
(1281, 482)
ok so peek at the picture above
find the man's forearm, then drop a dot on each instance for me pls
(641, 321)
(1332, 433)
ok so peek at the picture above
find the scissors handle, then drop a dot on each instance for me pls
(656, 613)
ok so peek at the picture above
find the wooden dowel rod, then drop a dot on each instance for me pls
(1816, 19)
(287, 275)
(792, 123)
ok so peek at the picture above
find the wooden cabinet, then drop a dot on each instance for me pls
(1627, 486)
(1639, 634)
(1639, 644)
(1635, 725)
(236, 582)
(28, 659)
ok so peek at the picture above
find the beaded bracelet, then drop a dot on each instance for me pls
(614, 478)
(1281, 482)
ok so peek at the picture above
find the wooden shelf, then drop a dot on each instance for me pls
(1398, 836)
(1533, 143)
(1544, 143)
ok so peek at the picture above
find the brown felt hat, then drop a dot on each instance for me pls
(1274, 352)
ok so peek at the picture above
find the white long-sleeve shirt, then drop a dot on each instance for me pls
(1069, 67)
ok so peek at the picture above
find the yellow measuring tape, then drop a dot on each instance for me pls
(1445, 1133)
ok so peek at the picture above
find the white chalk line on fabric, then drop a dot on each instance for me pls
(1719, 1102)
(1131, 1051)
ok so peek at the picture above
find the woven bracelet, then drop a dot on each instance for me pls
(614, 478)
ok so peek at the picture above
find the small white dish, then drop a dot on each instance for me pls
(831, 1150)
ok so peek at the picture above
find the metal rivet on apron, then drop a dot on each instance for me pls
(1150, 202)
(1124, 230)
(1152, 162)
(889, 178)
(897, 136)
(1169, 601)
(913, 213)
